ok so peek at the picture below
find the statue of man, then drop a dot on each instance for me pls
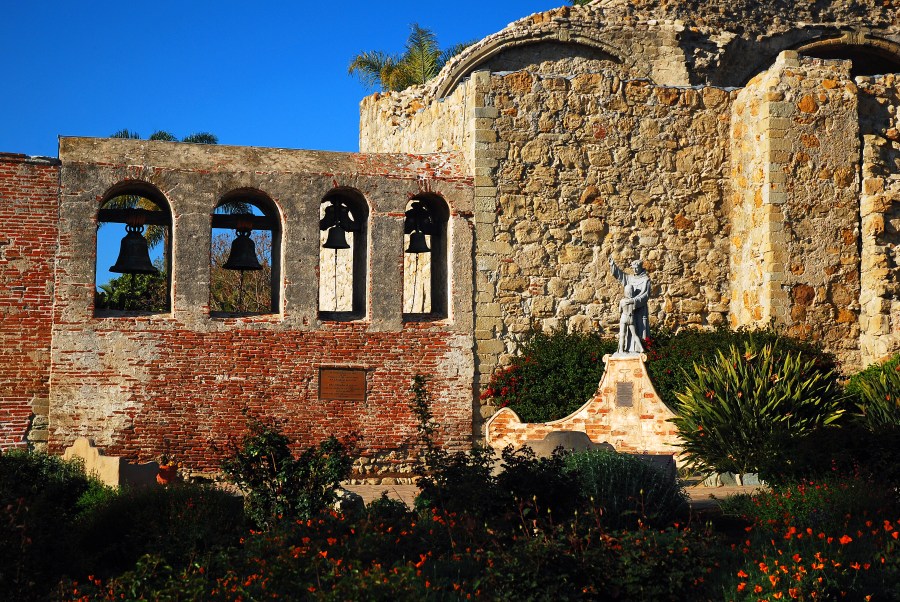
(635, 305)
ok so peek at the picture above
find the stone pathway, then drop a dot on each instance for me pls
(701, 497)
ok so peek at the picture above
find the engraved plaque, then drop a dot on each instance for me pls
(345, 384)
(625, 394)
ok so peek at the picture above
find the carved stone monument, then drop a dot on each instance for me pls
(625, 412)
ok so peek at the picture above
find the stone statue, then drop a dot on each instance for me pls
(634, 324)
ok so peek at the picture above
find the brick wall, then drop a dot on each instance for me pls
(131, 382)
(28, 214)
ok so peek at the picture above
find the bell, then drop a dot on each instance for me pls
(417, 243)
(243, 253)
(134, 253)
(336, 239)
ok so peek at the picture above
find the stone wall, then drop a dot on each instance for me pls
(591, 168)
(28, 212)
(880, 217)
(795, 233)
(132, 381)
(402, 122)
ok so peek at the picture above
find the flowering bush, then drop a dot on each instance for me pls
(276, 484)
(815, 540)
(553, 375)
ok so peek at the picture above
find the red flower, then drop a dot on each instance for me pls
(845, 540)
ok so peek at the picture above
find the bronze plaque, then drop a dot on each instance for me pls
(345, 384)
(624, 394)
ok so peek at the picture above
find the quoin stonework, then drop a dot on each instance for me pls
(748, 151)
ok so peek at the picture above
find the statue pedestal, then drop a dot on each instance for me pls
(626, 412)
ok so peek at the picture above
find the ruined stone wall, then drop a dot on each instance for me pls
(28, 214)
(131, 382)
(880, 218)
(795, 234)
(402, 122)
(592, 168)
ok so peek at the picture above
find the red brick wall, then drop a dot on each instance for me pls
(28, 235)
(197, 388)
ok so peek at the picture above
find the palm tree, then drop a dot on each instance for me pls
(421, 60)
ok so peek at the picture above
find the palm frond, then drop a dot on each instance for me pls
(422, 54)
(370, 67)
(449, 53)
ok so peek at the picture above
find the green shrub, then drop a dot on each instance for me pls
(276, 484)
(877, 389)
(40, 499)
(553, 375)
(626, 489)
(176, 523)
(832, 504)
(871, 372)
(742, 412)
(671, 355)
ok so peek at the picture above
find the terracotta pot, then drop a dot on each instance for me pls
(167, 474)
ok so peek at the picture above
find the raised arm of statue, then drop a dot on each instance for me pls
(617, 273)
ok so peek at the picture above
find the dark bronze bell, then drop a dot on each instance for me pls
(243, 253)
(417, 243)
(336, 239)
(134, 253)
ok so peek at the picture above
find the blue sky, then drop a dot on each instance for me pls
(253, 73)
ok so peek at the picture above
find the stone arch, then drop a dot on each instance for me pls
(131, 206)
(865, 51)
(350, 270)
(479, 54)
(425, 275)
(255, 211)
(869, 55)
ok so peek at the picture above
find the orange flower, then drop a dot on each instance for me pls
(773, 579)
(741, 586)
(757, 589)
(845, 540)
(794, 593)
(742, 574)
(777, 595)
(796, 558)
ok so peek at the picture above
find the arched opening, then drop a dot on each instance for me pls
(425, 273)
(245, 252)
(866, 59)
(132, 274)
(343, 255)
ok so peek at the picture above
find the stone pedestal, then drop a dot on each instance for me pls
(626, 412)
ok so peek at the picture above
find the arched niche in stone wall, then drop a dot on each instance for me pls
(869, 55)
(343, 255)
(133, 257)
(425, 260)
(236, 289)
(528, 49)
